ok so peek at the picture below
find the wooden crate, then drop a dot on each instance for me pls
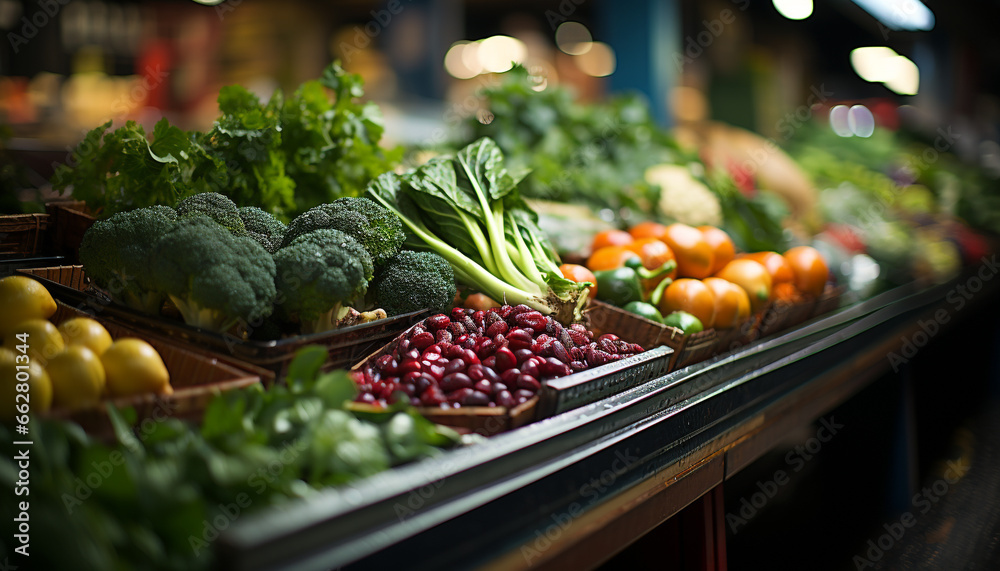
(23, 235)
(196, 377)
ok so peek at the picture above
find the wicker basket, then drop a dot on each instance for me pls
(70, 220)
(195, 376)
(345, 346)
(23, 235)
(688, 349)
(781, 315)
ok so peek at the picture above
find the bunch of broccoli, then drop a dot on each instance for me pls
(220, 265)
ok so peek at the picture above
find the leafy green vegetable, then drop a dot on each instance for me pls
(590, 153)
(282, 156)
(160, 498)
(466, 208)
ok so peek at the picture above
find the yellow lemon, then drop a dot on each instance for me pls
(132, 367)
(22, 298)
(41, 339)
(86, 332)
(30, 376)
(77, 377)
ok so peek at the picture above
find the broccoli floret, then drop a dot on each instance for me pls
(263, 227)
(216, 206)
(115, 253)
(320, 274)
(413, 281)
(379, 230)
(213, 277)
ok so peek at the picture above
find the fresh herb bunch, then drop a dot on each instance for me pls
(283, 156)
(595, 154)
(155, 501)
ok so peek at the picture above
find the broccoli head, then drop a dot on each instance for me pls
(213, 277)
(216, 206)
(115, 253)
(412, 281)
(263, 227)
(319, 276)
(379, 230)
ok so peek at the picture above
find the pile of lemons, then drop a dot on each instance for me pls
(72, 366)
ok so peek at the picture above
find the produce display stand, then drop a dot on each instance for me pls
(571, 491)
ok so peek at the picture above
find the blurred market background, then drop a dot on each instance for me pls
(867, 125)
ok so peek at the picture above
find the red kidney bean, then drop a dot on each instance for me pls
(423, 382)
(476, 398)
(505, 359)
(422, 340)
(490, 362)
(560, 353)
(406, 389)
(453, 352)
(499, 340)
(411, 377)
(476, 372)
(553, 367)
(443, 336)
(439, 321)
(528, 382)
(532, 319)
(497, 387)
(519, 339)
(432, 397)
(610, 337)
(456, 365)
(455, 381)
(408, 366)
(606, 345)
(470, 357)
(457, 329)
(510, 376)
(458, 395)
(530, 368)
(490, 374)
(523, 393)
(469, 342)
(436, 371)
(457, 313)
(479, 317)
(523, 355)
(364, 388)
(504, 398)
(412, 355)
(383, 361)
(403, 346)
(417, 330)
(578, 338)
(498, 328)
(366, 398)
(577, 366)
(483, 386)
(486, 349)
(504, 311)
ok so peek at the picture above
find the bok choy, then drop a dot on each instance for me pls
(466, 208)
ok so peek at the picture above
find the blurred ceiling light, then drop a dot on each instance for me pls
(873, 63)
(497, 54)
(454, 62)
(598, 61)
(879, 64)
(906, 79)
(910, 15)
(573, 38)
(838, 120)
(860, 121)
(470, 58)
(794, 9)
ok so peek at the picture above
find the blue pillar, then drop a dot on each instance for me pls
(644, 34)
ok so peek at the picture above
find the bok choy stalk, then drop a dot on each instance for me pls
(466, 208)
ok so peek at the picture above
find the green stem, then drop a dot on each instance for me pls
(657, 293)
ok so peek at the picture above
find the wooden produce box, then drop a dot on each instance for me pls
(196, 377)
